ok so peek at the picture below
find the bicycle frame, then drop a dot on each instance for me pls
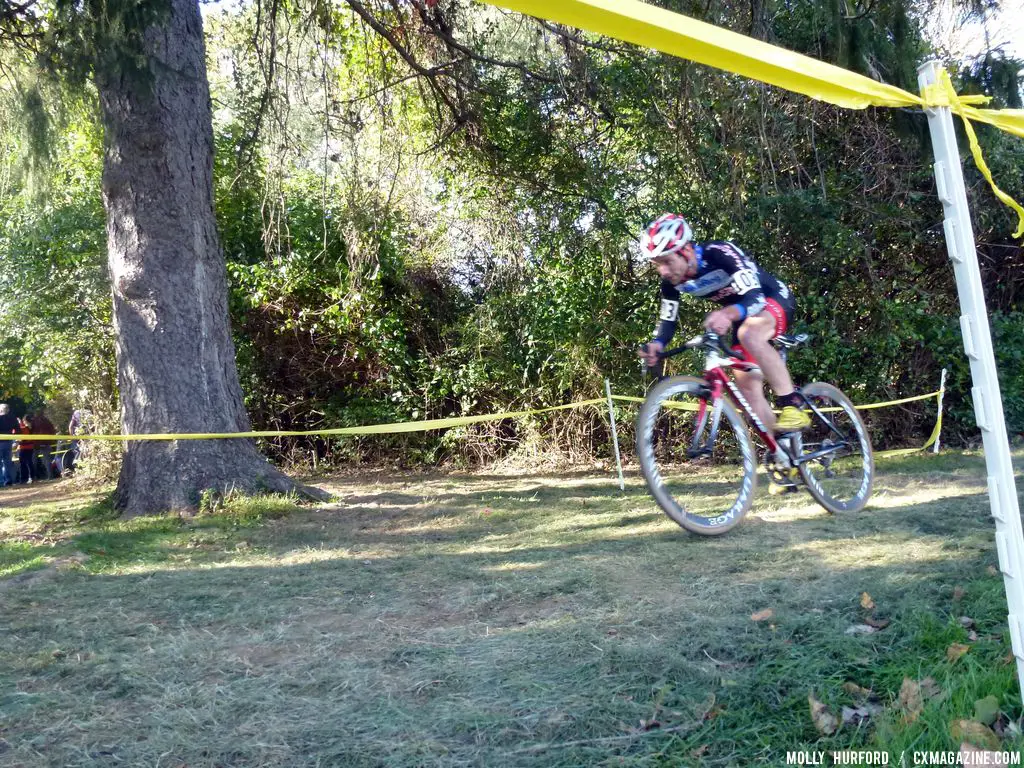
(715, 366)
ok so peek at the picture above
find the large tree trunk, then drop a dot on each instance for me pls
(175, 358)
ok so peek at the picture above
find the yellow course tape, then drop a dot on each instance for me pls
(628, 399)
(936, 393)
(957, 103)
(685, 37)
(928, 443)
(673, 33)
(936, 430)
(405, 426)
(372, 429)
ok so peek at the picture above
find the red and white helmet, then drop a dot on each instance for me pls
(666, 234)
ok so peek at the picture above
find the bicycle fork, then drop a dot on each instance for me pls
(704, 415)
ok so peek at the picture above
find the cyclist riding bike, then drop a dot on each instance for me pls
(755, 304)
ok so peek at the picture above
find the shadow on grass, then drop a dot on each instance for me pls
(517, 625)
(455, 658)
(480, 513)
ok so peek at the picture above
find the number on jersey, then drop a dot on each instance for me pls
(745, 280)
(669, 310)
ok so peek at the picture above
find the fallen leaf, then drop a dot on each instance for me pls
(972, 755)
(910, 700)
(871, 621)
(992, 570)
(866, 602)
(860, 629)
(986, 710)
(975, 733)
(699, 752)
(958, 594)
(861, 714)
(956, 650)
(966, 622)
(1008, 658)
(824, 720)
(767, 613)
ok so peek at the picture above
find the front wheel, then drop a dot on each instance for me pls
(836, 460)
(699, 466)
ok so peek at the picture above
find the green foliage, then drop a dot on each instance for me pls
(56, 305)
(393, 260)
(98, 37)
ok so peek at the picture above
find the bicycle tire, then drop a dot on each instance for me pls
(814, 473)
(702, 525)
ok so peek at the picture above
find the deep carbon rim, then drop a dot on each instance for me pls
(703, 524)
(856, 471)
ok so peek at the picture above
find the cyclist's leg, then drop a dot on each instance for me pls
(755, 334)
(751, 384)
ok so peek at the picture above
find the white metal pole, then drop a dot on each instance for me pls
(938, 417)
(615, 433)
(988, 405)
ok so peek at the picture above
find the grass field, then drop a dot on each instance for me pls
(498, 620)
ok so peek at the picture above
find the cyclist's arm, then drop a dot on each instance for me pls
(732, 313)
(668, 315)
(749, 295)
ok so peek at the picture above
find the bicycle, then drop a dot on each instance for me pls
(689, 462)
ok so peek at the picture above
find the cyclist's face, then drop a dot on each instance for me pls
(674, 267)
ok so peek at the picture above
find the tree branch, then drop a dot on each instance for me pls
(439, 25)
(406, 55)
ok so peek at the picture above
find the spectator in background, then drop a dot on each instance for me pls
(44, 448)
(27, 452)
(75, 426)
(76, 422)
(8, 426)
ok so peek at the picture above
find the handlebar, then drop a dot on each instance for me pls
(709, 341)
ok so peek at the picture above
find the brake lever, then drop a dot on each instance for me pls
(715, 342)
(651, 370)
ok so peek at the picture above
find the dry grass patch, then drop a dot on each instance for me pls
(488, 620)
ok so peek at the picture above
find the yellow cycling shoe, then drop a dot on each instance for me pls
(792, 419)
(786, 482)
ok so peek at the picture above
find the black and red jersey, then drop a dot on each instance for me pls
(727, 276)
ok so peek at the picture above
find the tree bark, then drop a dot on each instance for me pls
(175, 357)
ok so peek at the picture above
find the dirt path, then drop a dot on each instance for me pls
(43, 492)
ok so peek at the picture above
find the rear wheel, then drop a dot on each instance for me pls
(696, 456)
(840, 475)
